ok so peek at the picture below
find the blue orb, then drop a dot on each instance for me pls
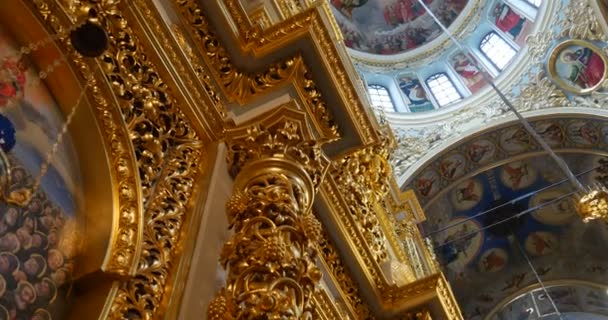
(7, 134)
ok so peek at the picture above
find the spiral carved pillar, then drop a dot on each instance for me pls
(271, 272)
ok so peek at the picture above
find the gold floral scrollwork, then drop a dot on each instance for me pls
(157, 137)
(581, 22)
(363, 179)
(270, 257)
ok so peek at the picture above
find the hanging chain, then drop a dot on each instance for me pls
(59, 138)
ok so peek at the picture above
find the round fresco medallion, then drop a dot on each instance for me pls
(481, 151)
(493, 260)
(518, 175)
(556, 212)
(452, 166)
(462, 242)
(466, 195)
(551, 132)
(515, 140)
(583, 132)
(540, 243)
(577, 66)
(428, 183)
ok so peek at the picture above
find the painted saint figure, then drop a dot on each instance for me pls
(417, 99)
(586, 67)
(468, 71)
(508, 21)
(347, 6)
(12, 81)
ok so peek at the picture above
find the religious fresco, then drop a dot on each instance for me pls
(467, 70)
(36, 240)
(512, 23)
(415, 96)
(503, 143)
(477, 238)
(392, 26)
(577, 66)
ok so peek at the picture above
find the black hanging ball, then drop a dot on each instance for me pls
(90, 40)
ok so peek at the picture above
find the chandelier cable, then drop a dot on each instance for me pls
(512, 201)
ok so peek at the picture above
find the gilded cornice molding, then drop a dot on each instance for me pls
(311, 23)
(167, 150)
(243, 87)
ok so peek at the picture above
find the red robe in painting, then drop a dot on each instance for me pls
(589, 69)
(12, 81)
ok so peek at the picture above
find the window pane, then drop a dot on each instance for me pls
(497, 50)
(443, 89)
(380, 97)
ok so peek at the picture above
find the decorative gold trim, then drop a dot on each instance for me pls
(555, 56)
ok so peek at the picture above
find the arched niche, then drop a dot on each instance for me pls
(95, 185)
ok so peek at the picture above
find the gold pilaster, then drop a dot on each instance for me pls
(270, 257)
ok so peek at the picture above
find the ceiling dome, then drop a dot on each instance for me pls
(388, 27)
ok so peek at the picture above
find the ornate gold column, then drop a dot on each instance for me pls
(270, 257)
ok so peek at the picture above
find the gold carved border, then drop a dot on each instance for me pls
(243, 87)
(168, 160)
(126, 239)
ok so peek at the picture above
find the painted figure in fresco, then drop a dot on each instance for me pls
(413, 91)
(12, 81)
(467, 193)
(552, 134)
(449, 167)
(468, 71)
(493, 261)
(586, 67)
(425, 186)
(347, 6)
(455, 248)
(518, 139)
(477, 152)
(583, 133)
(516, 174)
(541, 245)
(507, 20)
(33, 261)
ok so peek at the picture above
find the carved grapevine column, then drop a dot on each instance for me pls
(270, 257)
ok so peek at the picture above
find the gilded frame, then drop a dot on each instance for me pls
(554, 57)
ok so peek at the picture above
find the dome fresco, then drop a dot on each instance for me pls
(389, 27)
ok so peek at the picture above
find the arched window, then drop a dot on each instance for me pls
(380, 97)
(443, 89)
(535, 3)
(497, 50)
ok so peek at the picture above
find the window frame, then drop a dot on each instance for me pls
(486, 39)
(436, 77)
(379, 87)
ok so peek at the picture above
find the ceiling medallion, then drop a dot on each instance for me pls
(594, 204)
